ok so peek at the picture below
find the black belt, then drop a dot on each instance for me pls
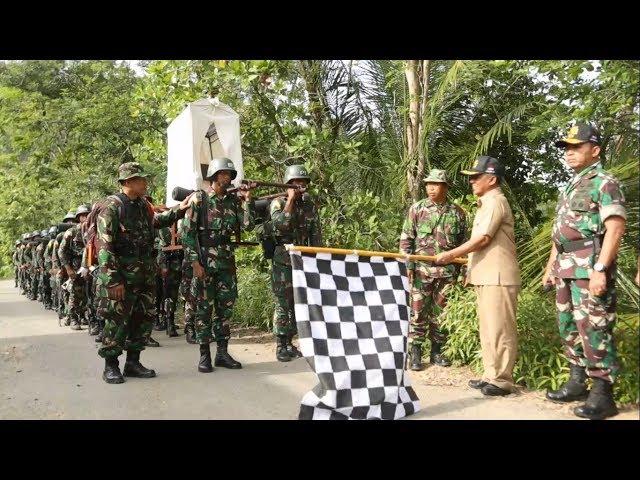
(575, 245)
(216, 241)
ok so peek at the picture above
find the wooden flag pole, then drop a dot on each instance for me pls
(368, 253)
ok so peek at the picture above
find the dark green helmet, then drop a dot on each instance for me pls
(26, 236)
(35, 234)
(295, 172)
(44, 232)
(84, 208)
(71, 215)
(219, 164)
(53, 231)
(18, 242)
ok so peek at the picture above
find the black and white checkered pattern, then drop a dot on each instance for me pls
(352, 315)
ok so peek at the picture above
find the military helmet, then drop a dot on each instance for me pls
(84, 208)
(131, 170)
(44, 232)
(218, 164)
(53, 230)
(26, 236)
(18, 242)
(35, 234)
(71, 215)
(295, 172)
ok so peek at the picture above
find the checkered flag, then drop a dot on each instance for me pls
(353, 318)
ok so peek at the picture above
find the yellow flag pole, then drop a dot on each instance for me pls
(368, 253)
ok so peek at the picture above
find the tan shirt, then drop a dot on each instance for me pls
(495, 264)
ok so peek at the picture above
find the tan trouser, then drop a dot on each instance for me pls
(498, 334)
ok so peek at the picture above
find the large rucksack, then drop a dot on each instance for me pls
(89, 228)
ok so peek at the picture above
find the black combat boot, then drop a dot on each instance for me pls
(436, 357)
(416, 357)
(291, 349)
(133, 367)
(189, 332)
(75, 323)
(94, 329)
(160, 323)
(111, 372)
(171, 325)
(100, 331)
(223, 359)
(204, 365)
(150, 342)
(600, 403)
(281, 349)
(574, 389)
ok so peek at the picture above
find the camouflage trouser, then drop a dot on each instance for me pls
(34, 284)
(586, 326)
(284, 319)
(77, 299)
(15, 276)
(185, 291)
(127, 322)
(173, 287)
(45, 286)
(215, 299)
(428, 300)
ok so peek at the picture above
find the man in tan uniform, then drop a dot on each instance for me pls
(493, 270)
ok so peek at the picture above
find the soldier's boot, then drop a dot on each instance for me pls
(150, 342)
(416, 357)
(111, 372)
(171, 325)
(436, 357)
(94, 328)
(160, 323)
(83, 320)
(204, 365)
(223, 359)
(189, 332)
(281, 349)
(600, 403)
(574, 389)
(75, 323)
(291, 349)
(65, 320)
(100, 332)
(133, 367)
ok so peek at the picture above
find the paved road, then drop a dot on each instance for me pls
(51, 372)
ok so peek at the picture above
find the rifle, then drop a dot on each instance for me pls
(259, 183)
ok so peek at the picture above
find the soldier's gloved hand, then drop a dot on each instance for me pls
(83, 272)
(116, 293)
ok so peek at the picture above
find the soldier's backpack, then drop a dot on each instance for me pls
(89, 228)
(264, 227)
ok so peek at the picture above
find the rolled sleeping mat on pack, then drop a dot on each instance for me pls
(179, 193)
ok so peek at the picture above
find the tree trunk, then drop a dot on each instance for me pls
(417, 75)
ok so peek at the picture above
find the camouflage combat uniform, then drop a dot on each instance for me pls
(217, 294)
(126, 256)
(70, 253)
(60, 278)
(301, 227)
(428, 230)
(585, 321)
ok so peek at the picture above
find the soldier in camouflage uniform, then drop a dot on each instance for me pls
(209, 226)
(432, 225)
(189, 300)
(70, 253)
(43, 273)
(126, 282)
(294, 220)
(30, 257)
(49, 278)
(170, 266)
(590, 221)
(58, 271)
(16, 263)
(24, 287)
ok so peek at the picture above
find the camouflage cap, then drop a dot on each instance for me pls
(131, 170)
(436, 176)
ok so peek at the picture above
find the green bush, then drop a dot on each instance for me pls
(541, 362)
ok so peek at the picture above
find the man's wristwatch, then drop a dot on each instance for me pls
(599, 267)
